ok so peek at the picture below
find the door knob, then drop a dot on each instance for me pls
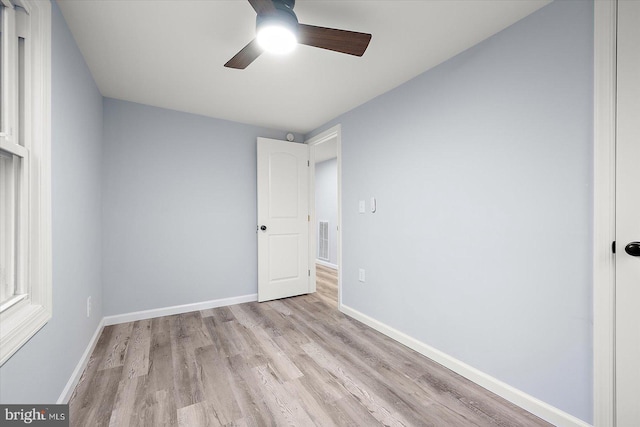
(263, 227)
(633, 249)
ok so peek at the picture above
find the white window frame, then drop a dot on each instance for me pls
(23, 318)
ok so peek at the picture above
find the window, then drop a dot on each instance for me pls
(25, 183)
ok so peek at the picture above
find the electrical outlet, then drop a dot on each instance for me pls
(89, 307)
(361, 274)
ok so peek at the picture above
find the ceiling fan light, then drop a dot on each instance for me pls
(276, 38)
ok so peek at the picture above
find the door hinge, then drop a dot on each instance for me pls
(309, 273)
(308, 218)
(308, 163)
(613, 247)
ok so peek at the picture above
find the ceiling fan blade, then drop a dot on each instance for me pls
(342, 41)
(246, 56)
(262, 6)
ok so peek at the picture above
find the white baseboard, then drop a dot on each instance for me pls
(537, 407)
(141, 315)
(326, 264)
(82, 364)
(177, 309)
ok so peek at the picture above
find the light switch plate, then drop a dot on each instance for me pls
(361, 274)
(361, 206)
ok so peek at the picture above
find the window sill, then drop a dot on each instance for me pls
(18, 324)
(11, 302)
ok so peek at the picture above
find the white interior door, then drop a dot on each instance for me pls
(628, 216)
(283, 219)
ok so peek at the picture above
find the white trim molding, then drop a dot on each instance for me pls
(326, 264)
(537, 407)
(24, 319)
(177, 309)
(332, 132)
(66, 394)
(605, 28)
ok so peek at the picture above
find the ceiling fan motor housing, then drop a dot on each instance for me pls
(283, 15)
(289, 4)
(278, 32)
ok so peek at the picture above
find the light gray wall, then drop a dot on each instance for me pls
(179, 207)
(482, 168)
(38, 372)
(326, 182)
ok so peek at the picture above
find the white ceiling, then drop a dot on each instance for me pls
(171, 53)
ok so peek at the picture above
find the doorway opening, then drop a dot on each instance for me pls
(325, 200)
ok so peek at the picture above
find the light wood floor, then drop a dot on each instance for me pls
(327, 285)
(295, 362)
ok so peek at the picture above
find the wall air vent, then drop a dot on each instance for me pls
(323, 240)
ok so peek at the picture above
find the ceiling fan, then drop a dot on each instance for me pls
(278, 31)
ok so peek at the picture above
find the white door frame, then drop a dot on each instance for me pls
(605, 29)
(334, 132)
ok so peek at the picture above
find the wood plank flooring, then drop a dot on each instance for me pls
(295, 362)
(327, 285)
